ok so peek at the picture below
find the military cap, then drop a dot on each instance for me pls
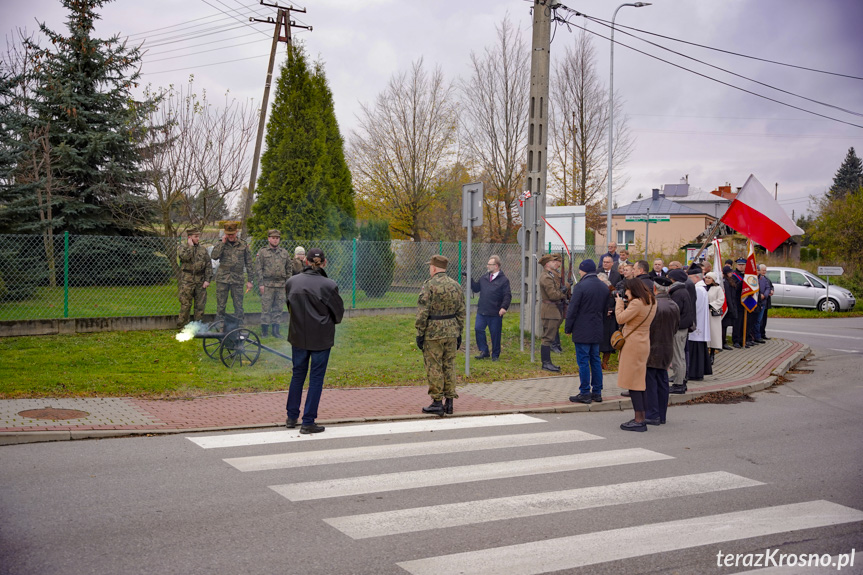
(193, 231)
(547, 258)
(438, 261)
(740, 261)
(230, 227)
(663, 281)
(274, 234)
(315, 253)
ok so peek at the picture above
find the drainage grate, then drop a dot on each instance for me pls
(53, 413)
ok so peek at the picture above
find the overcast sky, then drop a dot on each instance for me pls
(681, 123)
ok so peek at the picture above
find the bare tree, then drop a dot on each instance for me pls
(403, 146)
(579, 129)
(198, 156)
(494, 125)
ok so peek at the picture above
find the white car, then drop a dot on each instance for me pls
(793, 287)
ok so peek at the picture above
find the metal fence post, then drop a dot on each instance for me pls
(354, 276)
(65, 274)
(459, 259)
(440, 247)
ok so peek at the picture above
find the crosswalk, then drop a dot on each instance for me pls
(566, 551)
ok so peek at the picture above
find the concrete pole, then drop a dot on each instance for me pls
(537, 157)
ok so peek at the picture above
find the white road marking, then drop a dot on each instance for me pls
(505, 508)
(451, 475)
(814, 334)
(603, 546)
(844, 350)
(331, 456)
(340, 432)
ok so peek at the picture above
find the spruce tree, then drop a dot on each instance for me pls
(83, 100)
(849, 177)
(304, 188)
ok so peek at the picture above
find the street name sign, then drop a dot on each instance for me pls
(651, 219)
(830, 271)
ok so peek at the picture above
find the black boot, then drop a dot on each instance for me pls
(436, 407)
(545, 354)
(555, 345)
(264, 328)
(448, 406)
(277, 330)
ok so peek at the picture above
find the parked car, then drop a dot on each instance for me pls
(793, 287)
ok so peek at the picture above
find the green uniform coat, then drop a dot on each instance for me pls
(440, 296)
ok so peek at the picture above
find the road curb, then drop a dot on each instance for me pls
(620, 404)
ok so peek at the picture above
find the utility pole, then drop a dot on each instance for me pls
(537, 158)
(283, 19)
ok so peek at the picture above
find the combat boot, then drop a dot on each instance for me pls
(264, 329)
(436, 407)
(448, 406)
(277, 330)
(545, 354)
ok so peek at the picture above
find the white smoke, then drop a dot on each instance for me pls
(190, 330)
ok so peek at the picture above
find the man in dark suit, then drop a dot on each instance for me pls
(584, 320)
(495, 295)
(609, 268)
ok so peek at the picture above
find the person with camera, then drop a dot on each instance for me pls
(315, 308)
(439, 325)
(635, 311)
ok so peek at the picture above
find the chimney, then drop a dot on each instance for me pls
(655, 194)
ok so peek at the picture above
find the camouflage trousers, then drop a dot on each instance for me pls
(236, 292)
(191, 292)
(272, 305)
(550, 330)
(439, 358)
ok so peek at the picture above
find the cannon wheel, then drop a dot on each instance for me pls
(240, 347)
(212, 344)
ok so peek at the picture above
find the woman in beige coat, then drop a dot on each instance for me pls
(635, 318)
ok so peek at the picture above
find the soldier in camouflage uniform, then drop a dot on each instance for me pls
(551, 295)
(440, 323)
(196, 271)
(273, 265)
(233, 255)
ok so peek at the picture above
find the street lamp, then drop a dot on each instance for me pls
(611, 118)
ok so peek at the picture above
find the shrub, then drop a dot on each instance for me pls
(375, 259)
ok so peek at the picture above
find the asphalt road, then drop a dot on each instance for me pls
(781, 472)
(838, 335)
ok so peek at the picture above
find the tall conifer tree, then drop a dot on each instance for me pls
(304, 188)
(849, 177)
(82, 100)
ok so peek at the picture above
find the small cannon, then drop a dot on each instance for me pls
(234, 345)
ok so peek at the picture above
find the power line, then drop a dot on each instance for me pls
(202, 51)
(780, 102)
(208, 43)
(199, 34)
(730, 52)
(177, 25)
(730, 72)
(234, 10)
(204, 65)
(749, 134)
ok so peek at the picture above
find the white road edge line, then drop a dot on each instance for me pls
(814, 334)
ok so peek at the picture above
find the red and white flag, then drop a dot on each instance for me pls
(755, 214)
(749, 290)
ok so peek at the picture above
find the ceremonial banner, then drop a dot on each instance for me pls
(749, 294)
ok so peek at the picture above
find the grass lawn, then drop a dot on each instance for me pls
(799, 312)
(369, 352)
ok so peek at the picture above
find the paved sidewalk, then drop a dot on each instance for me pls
(744, 370)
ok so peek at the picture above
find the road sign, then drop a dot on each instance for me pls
(651, 219)
(830, 271)
(471, 204)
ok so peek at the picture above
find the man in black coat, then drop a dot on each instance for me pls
(641, 269)
(610, 270)
(663, 328)
(495, 295)
(584, 320)
(680, 295)
(316, 307)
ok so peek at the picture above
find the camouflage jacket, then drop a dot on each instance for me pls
(273, 266)
(195, 263)
(550, 295)
(233, 257)
(440, 296)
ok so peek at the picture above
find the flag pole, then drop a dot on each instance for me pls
(745, 317)
(709, 237)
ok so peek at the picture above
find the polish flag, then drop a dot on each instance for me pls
(749, 291)
(755, 214)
